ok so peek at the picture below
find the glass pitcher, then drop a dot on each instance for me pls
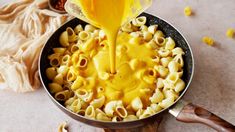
(136, 8)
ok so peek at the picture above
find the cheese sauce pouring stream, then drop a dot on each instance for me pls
(108, 15)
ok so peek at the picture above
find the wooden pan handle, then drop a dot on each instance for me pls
(195, 114)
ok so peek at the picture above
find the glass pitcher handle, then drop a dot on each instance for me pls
(73, 9)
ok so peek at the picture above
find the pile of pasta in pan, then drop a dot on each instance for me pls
(148, 79)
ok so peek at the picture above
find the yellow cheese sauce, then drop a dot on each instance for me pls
(134, 73)
(128, 63)
(109, 15)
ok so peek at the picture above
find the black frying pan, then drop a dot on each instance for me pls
(182, 110)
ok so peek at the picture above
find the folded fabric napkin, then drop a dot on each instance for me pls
(25, 26)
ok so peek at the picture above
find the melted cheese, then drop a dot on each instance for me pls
(133, 60)
(109, 15)
(128, 63)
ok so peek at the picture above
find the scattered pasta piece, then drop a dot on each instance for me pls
(208, 40)
(230, 33)
(187, 11)
(63, 127)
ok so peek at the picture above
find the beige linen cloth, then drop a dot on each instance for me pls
(25, 26)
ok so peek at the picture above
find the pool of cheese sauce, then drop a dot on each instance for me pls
(124, 82)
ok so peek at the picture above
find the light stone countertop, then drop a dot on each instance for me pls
(213, 86)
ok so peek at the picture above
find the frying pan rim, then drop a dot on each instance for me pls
(110, 122)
